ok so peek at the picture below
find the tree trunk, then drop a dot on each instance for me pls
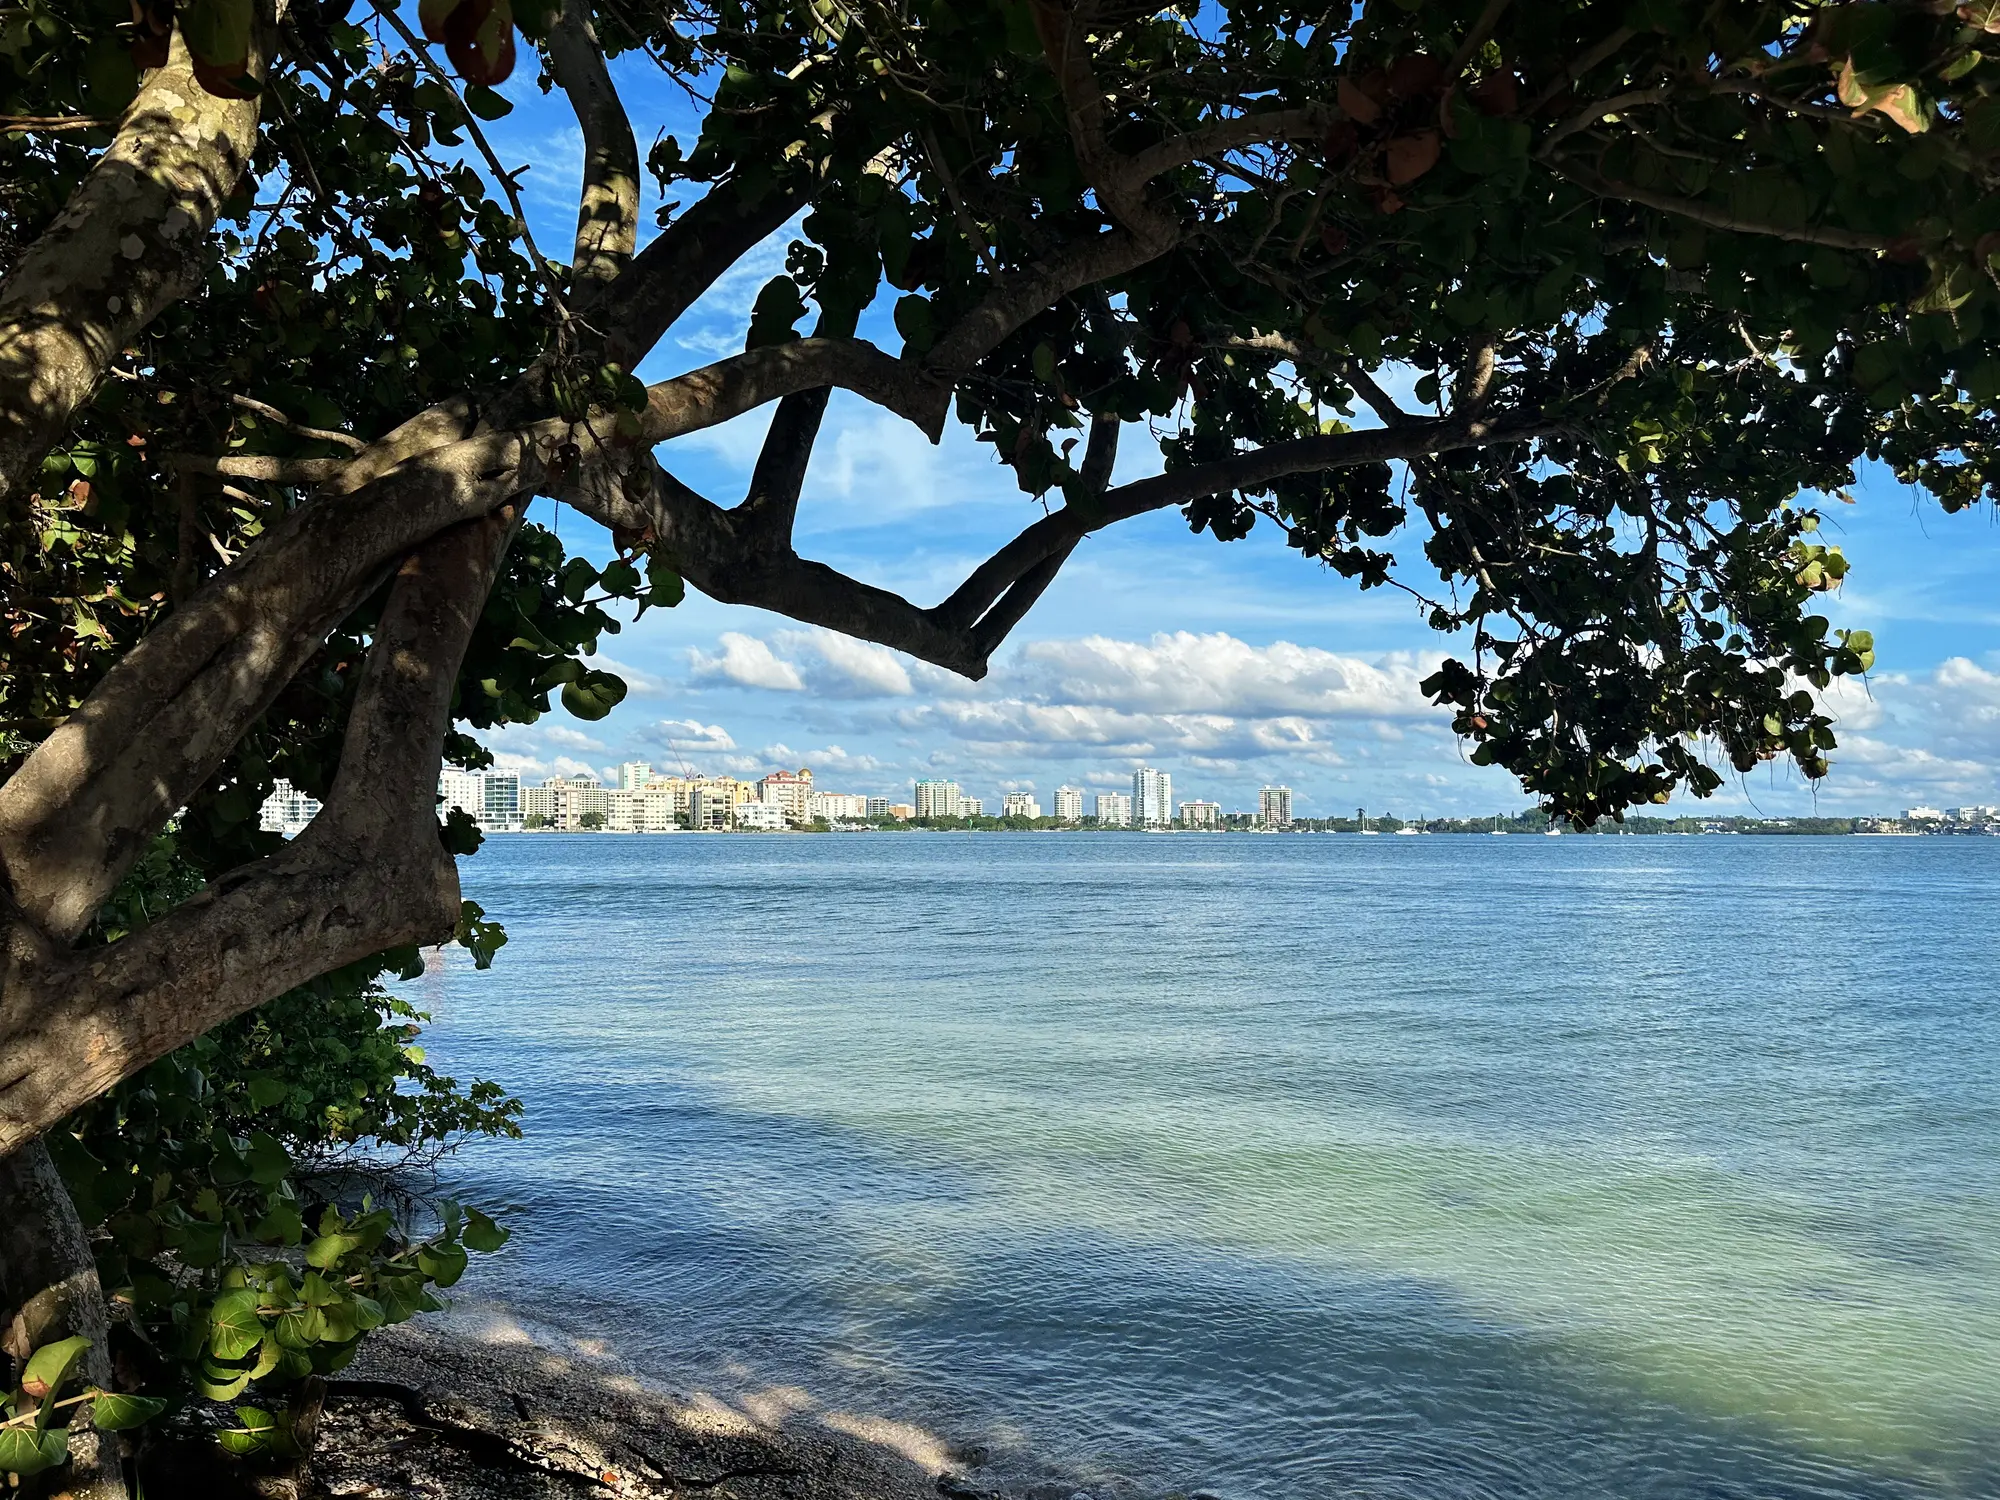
(49, 1291)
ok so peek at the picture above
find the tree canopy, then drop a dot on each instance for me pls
(281, 365)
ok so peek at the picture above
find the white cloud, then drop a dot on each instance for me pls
(748, 661)
(845, 667)
(687, 736)
(570, 739)
(1188, 673)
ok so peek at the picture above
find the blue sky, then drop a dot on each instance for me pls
(1230, 665)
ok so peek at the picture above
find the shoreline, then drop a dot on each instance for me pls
(479, 1405)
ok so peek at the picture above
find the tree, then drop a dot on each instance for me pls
(280, 366)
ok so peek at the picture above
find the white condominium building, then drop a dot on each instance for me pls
(1201, 815)
(1274, 807)
(565, 801)
(878, 807)
(971, 807)
(633, 775)
(1114, 810)
(832, 807)
(492, 799)
(1069, 804)
(767, 817)
(287, 810)
(1020, 805)
(1152, 798)
(790, 791)
(938, 799)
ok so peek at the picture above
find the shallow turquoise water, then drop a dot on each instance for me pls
(1311, 1166)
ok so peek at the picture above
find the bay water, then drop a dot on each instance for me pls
(1442, 1166)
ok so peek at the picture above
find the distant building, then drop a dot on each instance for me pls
(938, 799)
(902, 812)
(764, 816)
(1020, 805)
(1201, 815)
(1274, 807)
(790, 791)
(1152, 798)
(565, 801)
(633, 775)
(1923, 814)
(492, 799)
(831, 807)
(878, 807)
(971, 807)
(712, 805)
(287, 810)
(1069, 804)
(1114, 810)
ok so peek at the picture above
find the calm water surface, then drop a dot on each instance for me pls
(1312, 1166)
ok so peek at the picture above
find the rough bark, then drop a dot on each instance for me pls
(131, 242)
(370, 873)
(49, 1291)
(607, 217)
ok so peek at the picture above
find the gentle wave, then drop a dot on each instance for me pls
(1315, 1166)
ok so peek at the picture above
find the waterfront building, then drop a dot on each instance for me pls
(1020, 805)
(1114, 810)
(937, 799)
(500, 800)
(831, 807)
(287, 810)
(1152, 798)
(1069, 804)
(1201, 815)
(878, 807)
(634, 774)
(492, 799)
(712, 806)
(790, 791)
(565, 801)
(971, 807)
(1274, 807)
(902, 812)
(765, 817)
(1923, 814)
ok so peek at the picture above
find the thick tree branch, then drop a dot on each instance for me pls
(743, 382)
(1716, 217)
(607, 217)
(1307, 123)
(683, 261)
(132, 241)
(773, 497)
(369, 873)
(91, 796)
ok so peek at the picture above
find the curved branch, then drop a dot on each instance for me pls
(1718, 218)
(683, 261)
(607, 216)
(369, 873)
(132, 241)
(743, 382)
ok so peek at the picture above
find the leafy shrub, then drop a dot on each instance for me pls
(226, 1187)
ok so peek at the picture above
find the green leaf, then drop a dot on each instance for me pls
(485, 103)
(234, 1328)
(329, 1248)
(113, 1411)
(266, 1091)
(49, 1366)
(269, 1161)
(219, 1382)
(444, 1264)
(593, 695)
(28, 1450)
(482, 1234)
